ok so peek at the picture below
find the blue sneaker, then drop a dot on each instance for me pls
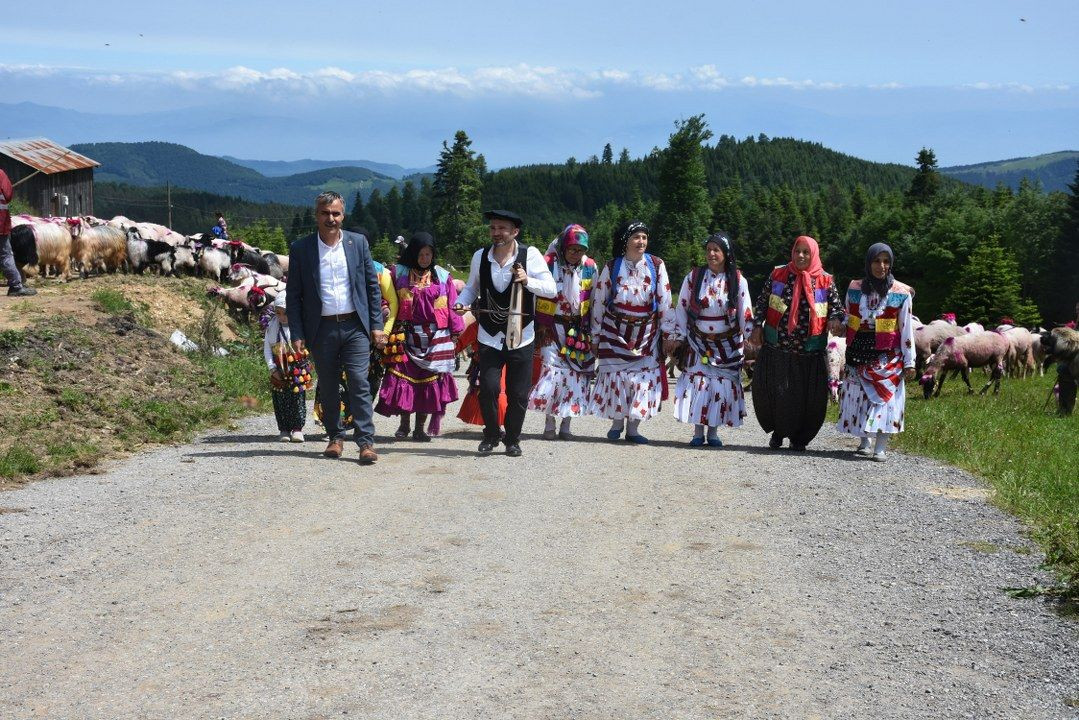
(638, 439)
(715, 442)
(614, 433)
(697, 441)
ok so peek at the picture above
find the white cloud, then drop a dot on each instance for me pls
(511, 80)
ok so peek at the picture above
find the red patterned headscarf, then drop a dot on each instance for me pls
(806, 279)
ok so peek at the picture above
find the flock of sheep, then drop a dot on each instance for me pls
(943, 346)
(59, 246)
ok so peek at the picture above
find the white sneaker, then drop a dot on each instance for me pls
(864, 451)
(880, 456)
(296, 436)
(283, 438)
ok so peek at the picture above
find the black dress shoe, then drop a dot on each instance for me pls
(775, 442)
(513, 450)
(487, 446)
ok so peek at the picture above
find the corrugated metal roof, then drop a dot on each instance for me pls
(45, 155)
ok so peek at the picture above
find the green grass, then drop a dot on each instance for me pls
(11, 339)
(1025, 452)
(114, 302)
(18, 461)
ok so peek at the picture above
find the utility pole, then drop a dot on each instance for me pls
(168, 200)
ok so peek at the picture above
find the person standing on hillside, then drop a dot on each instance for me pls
(492, 272)
(15, 288)
(335, 305)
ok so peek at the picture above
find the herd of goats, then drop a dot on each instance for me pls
(59, 246)
(87, 245)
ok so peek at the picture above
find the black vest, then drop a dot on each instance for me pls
(492, 324)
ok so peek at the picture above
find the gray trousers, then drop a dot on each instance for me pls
(344, 347)
(7, 263)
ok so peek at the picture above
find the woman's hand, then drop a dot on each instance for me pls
(836, 327)
(756, 337)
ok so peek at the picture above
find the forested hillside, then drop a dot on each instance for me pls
(1054, 171)
(984, 254)
(150, 164)
(192, 210)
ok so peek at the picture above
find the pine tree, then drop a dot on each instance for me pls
(394, 212)
(410, 208)
(424, 204)
(608, 154)
(987, 289)
(455, 198)
(623, 157)
(1066, 257)
(356, 217)
(684, 210)
(926, 184)
(377, 218)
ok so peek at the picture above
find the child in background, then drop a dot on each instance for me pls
(290, 408)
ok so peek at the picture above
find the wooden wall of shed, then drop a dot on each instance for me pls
(45, 193)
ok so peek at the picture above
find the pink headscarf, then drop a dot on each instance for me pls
(805, 280)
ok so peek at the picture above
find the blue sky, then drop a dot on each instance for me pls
(388, 81)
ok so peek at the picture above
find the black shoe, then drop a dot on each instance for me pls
(487, 446)
(21, 292)
(798, 448)
(513, 450)
(775, 442)
(420, 436)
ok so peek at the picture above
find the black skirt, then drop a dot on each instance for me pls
(790, 393)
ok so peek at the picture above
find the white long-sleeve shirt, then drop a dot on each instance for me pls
(333, 287)
(275, 332)
(540, 283)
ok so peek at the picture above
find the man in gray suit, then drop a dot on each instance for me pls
(335, 308)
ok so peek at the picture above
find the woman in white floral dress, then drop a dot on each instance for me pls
(630, 304)
(711, 321)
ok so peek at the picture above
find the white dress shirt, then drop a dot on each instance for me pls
(540, 283)
(333, 287)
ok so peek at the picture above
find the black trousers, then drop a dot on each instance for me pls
(518, 364)
(1067, 384)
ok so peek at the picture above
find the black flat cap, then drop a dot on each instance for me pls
(503, 215)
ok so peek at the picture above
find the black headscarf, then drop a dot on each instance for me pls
(621, 236)
(881, 287)
(410, 256)
(721, 238)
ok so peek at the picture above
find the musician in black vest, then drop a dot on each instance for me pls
(488, 292)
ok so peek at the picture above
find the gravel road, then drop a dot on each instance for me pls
(236, 577)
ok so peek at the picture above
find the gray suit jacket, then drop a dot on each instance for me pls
(303, 301)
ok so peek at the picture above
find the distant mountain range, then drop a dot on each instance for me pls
(1053, 170)
(153, 164)
(283, 168)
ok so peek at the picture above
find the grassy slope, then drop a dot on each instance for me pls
(1024, 451)
(78, 389)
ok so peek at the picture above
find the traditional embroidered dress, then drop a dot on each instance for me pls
(423, 381)
(790, 377)
(874, 394)
(630, 303)
(568, 366)
(709, 390)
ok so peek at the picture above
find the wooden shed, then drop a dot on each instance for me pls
(64, 181)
